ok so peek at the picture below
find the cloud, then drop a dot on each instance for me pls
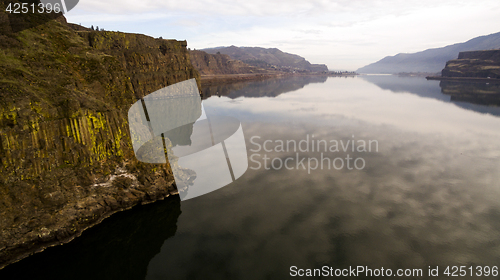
(290, 8)
(309, 31)
(333, 29)
(187, 23)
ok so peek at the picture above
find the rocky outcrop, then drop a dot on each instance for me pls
(134, 237)
(474, 64)
(273, 59)
(217, 64)
(66, 157)
(318, 68)
(148, 62)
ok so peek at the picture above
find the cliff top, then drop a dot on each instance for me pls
(52, 71)
(493, 55)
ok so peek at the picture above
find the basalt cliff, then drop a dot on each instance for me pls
(474, 64)
(221, 64)
(66, 158)
(270, 59)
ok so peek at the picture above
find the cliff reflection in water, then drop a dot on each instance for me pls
(475, 93)
(118, 248)
(481, 98)
(429, 196)
(265, 88)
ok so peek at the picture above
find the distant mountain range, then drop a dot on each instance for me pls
(268, 58)
(431, 60)
(220, 64)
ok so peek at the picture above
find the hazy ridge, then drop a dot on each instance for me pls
(430, 60)
(271, 58)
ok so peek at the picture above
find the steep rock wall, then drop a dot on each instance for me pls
(474, 64)
(65, 150)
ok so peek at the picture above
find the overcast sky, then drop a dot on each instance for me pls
(344, 34)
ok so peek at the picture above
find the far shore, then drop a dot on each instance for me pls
(465, 79)
(207, 80)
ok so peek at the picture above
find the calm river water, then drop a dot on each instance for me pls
(420, 188)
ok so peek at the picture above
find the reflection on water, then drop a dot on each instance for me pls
(430, 195)
(420, 201)
(118, 248)
(475, 93)
(265, 88)
(413, 85)
(479, 97)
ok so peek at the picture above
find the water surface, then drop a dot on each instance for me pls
(428, 195)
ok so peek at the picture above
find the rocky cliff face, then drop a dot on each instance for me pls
(65, 149)
(149, 63)
(474, 64)
(217, 64)
(272, 58)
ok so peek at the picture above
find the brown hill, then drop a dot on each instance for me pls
(474, 64)
(217, 64)
(269, 59)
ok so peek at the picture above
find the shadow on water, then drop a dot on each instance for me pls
(265, 88)
(481, 98)
(118, 248)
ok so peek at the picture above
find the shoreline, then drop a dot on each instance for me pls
(465, 79)
(94, 211)
(208, 80)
